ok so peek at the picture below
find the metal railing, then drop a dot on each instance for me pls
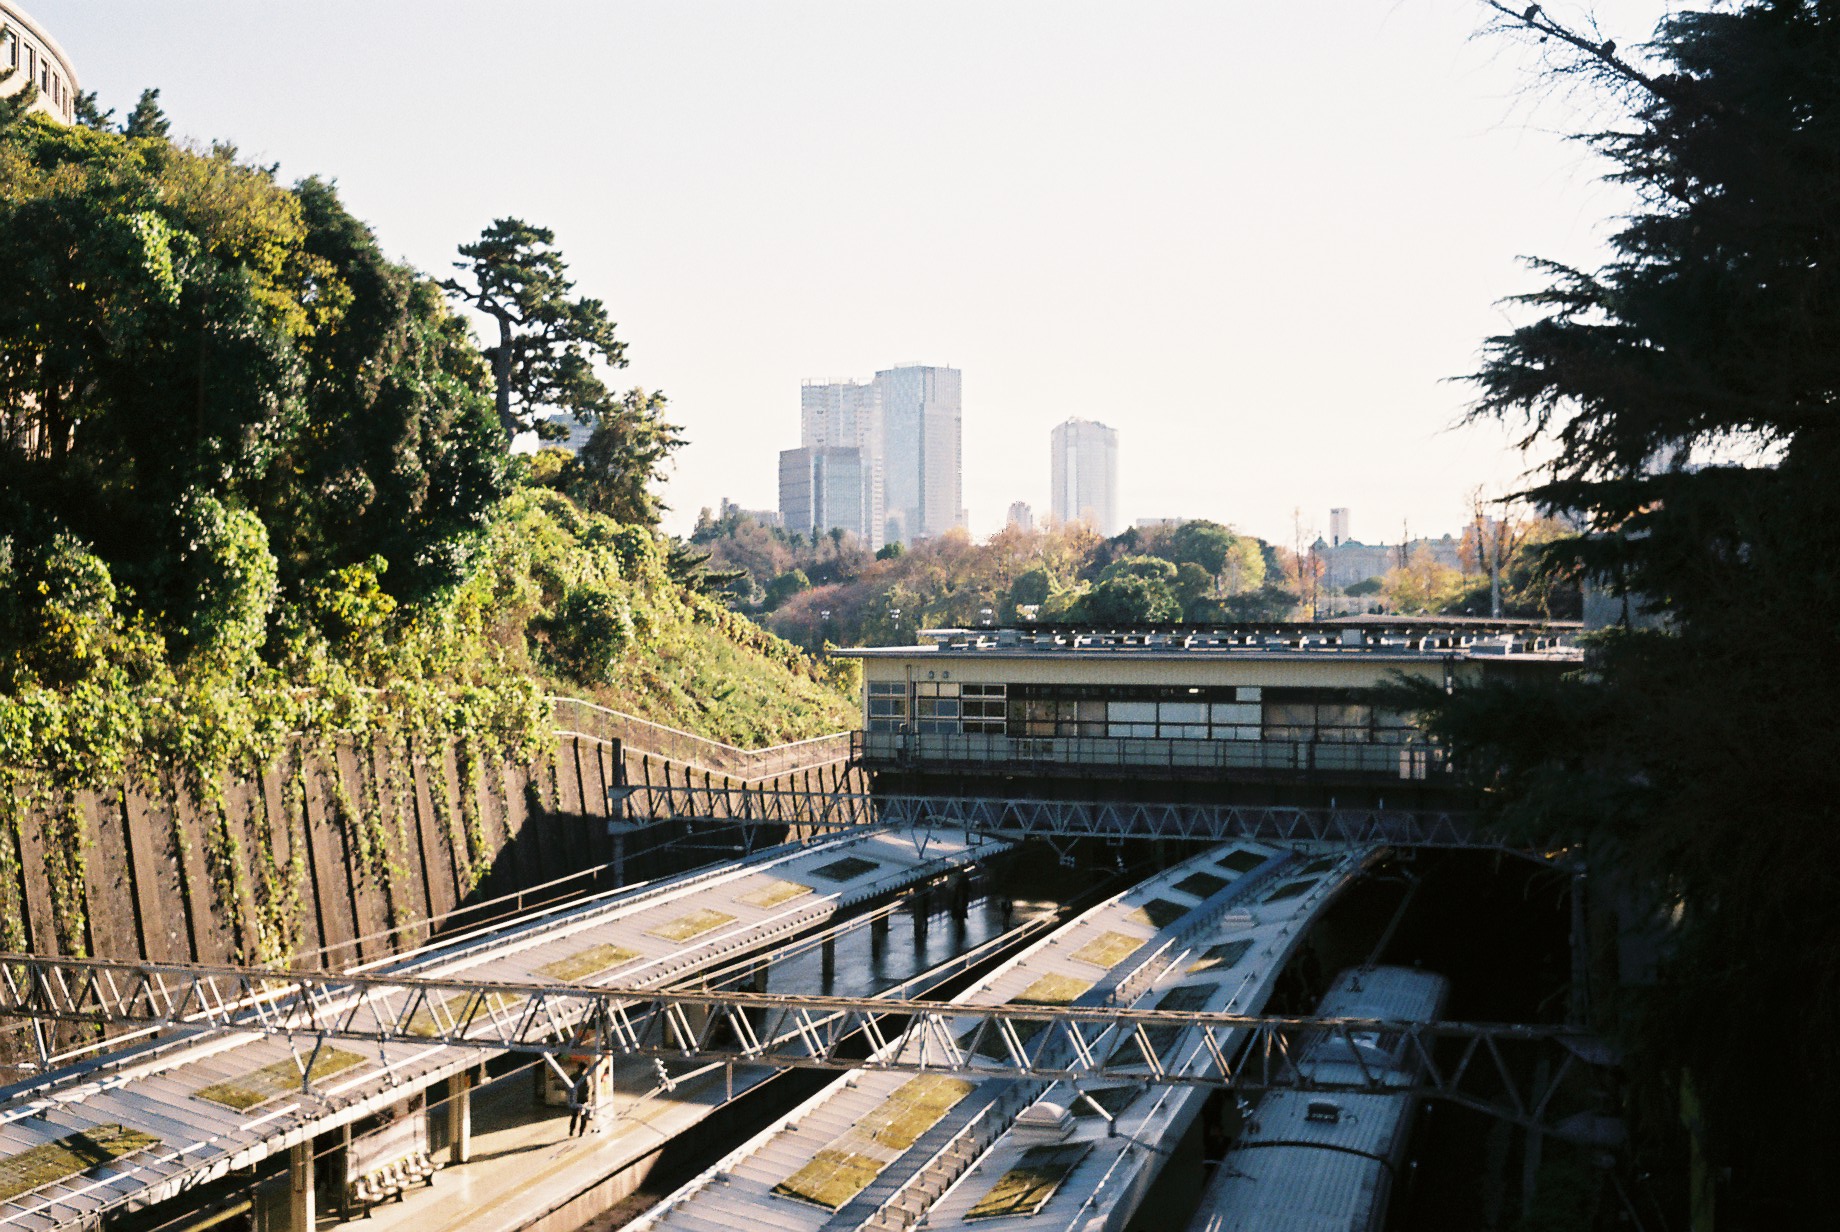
(1402, 762)
(574, 716)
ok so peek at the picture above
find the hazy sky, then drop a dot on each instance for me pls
(1255, 237)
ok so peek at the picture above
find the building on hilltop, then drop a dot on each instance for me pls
(923, 452)
(34, 57)
(1021, 515)
(1350, 562)
(766, 517)
(1083, 460)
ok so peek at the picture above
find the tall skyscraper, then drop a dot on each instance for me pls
(1084, 461)
(922, 458)
(846, 415)
(827, 488)
(1021, 515)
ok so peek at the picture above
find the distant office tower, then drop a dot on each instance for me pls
(1338, 528)
(1021, 516)
(844, 414)
(922, 452)
(1085, 474)
(824, 489)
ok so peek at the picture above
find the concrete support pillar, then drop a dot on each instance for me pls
(829, 951)
(346, 1209)
(460, 1117)
(878, 934)
(921, 905)
(301, 1214)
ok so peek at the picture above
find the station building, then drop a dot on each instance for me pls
(1283, 713)
(35, 58)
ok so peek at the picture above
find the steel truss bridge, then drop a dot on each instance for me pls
(1022, 817)
(1492, 1068)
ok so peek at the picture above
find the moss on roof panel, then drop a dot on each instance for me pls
(846, 869)
(684, 927)
(913, 1109)
(775, 893)
(1159, 913)
(1108, 949)
(272, 1081)
(462, 1007)
(1026, 1187)
(1048, 990)
(831, 1179)
(584, 963)
(73, 1154)
(1051, 990)
(1220, 957)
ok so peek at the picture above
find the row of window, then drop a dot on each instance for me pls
(1317, 716)
(18, 54)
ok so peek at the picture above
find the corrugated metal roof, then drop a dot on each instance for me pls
(157, 1087)
(1319, 1162)
(1110, 1178)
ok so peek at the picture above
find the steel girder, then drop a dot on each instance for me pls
(1481, 1065)
(1021, 817)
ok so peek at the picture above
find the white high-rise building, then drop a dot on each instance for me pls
(846, 415)
(824, 489)
(1084, 462)
(1021, 515)
(922, 442)
(1339, 528)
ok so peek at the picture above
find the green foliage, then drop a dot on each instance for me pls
(147, 120)
(785, 586)
(1131, 599)
(1697, 762)
(254, 508)
(174, 321)
(1149, 568)
(231, 579)
(545, 467)
(624, 458)
(890, 551)
(549, 343)
(1031, 588)
(594, 626)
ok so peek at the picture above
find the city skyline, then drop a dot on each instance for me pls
(882, 460)
(1293, 293)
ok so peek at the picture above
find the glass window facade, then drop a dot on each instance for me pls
(887, 705)
(1309, 716)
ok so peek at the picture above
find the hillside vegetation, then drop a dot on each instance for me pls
(253, 489)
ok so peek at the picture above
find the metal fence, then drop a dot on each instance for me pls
(746, 765)
(1403, 762)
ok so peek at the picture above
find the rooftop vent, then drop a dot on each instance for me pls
(1324, 1112)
